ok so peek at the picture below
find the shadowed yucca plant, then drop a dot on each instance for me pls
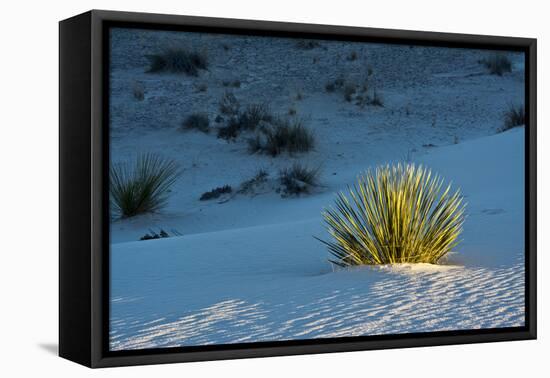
(395, 214)
(514, 117)
(141, 187)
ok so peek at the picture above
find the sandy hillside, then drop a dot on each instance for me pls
(273, 282)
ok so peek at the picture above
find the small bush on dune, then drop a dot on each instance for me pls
(298, 179)
(395, 214)
(376, 99)
(141, 187)
(230, 130)
(255, 144)
(198, 121)
(349, 90)
(334, 85)
(151, 235)
(229, 105)
(249, 185)
(514, 117)
(248, 120)
(497, 64)
(285, 135)
(178, 61)
(261, 175)
(216, 193)
(254, 114)
(330, 87)
(307, 44)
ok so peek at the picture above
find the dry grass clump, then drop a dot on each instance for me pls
(395, 214)
(334, 85)
(282, 135)
(349, 91)
(497, 64)
(514, 117)
(307, 44)
(248, 120)
(216, 193)
(254, 114)
(298, 179)
(361, 92)
(197, 121)
(230, 130)
(229, 105)
(249, 186)
(352, 56)
(178, 61)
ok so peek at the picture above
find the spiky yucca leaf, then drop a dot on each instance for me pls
(141, 187)
(395, 214)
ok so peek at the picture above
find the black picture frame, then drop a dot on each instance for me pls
(83, 196)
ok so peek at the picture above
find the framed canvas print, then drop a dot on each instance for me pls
(234, 188)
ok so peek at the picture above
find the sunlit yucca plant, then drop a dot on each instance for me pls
(395, 214)
(141, 187)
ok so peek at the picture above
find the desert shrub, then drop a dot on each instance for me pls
(352, 56)
(248, 120)
(514, 117)
(333, 85)
(230, 130)
(197, 121)
(395, 214)
(292, 111)
(307, 44)
(349, 90)
(376, 99)
(298, 179)
(497, 64)
(255, 144)
(154, 235)
(330, 87)
(178, 61)
(259, 178)
(261, 175)
(363, 97)
(141, 187)
(284, 135)
(254, 115)
(216, 193)
(229, 105)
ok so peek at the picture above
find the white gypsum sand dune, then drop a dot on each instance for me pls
(270, 279)
(433, 97)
